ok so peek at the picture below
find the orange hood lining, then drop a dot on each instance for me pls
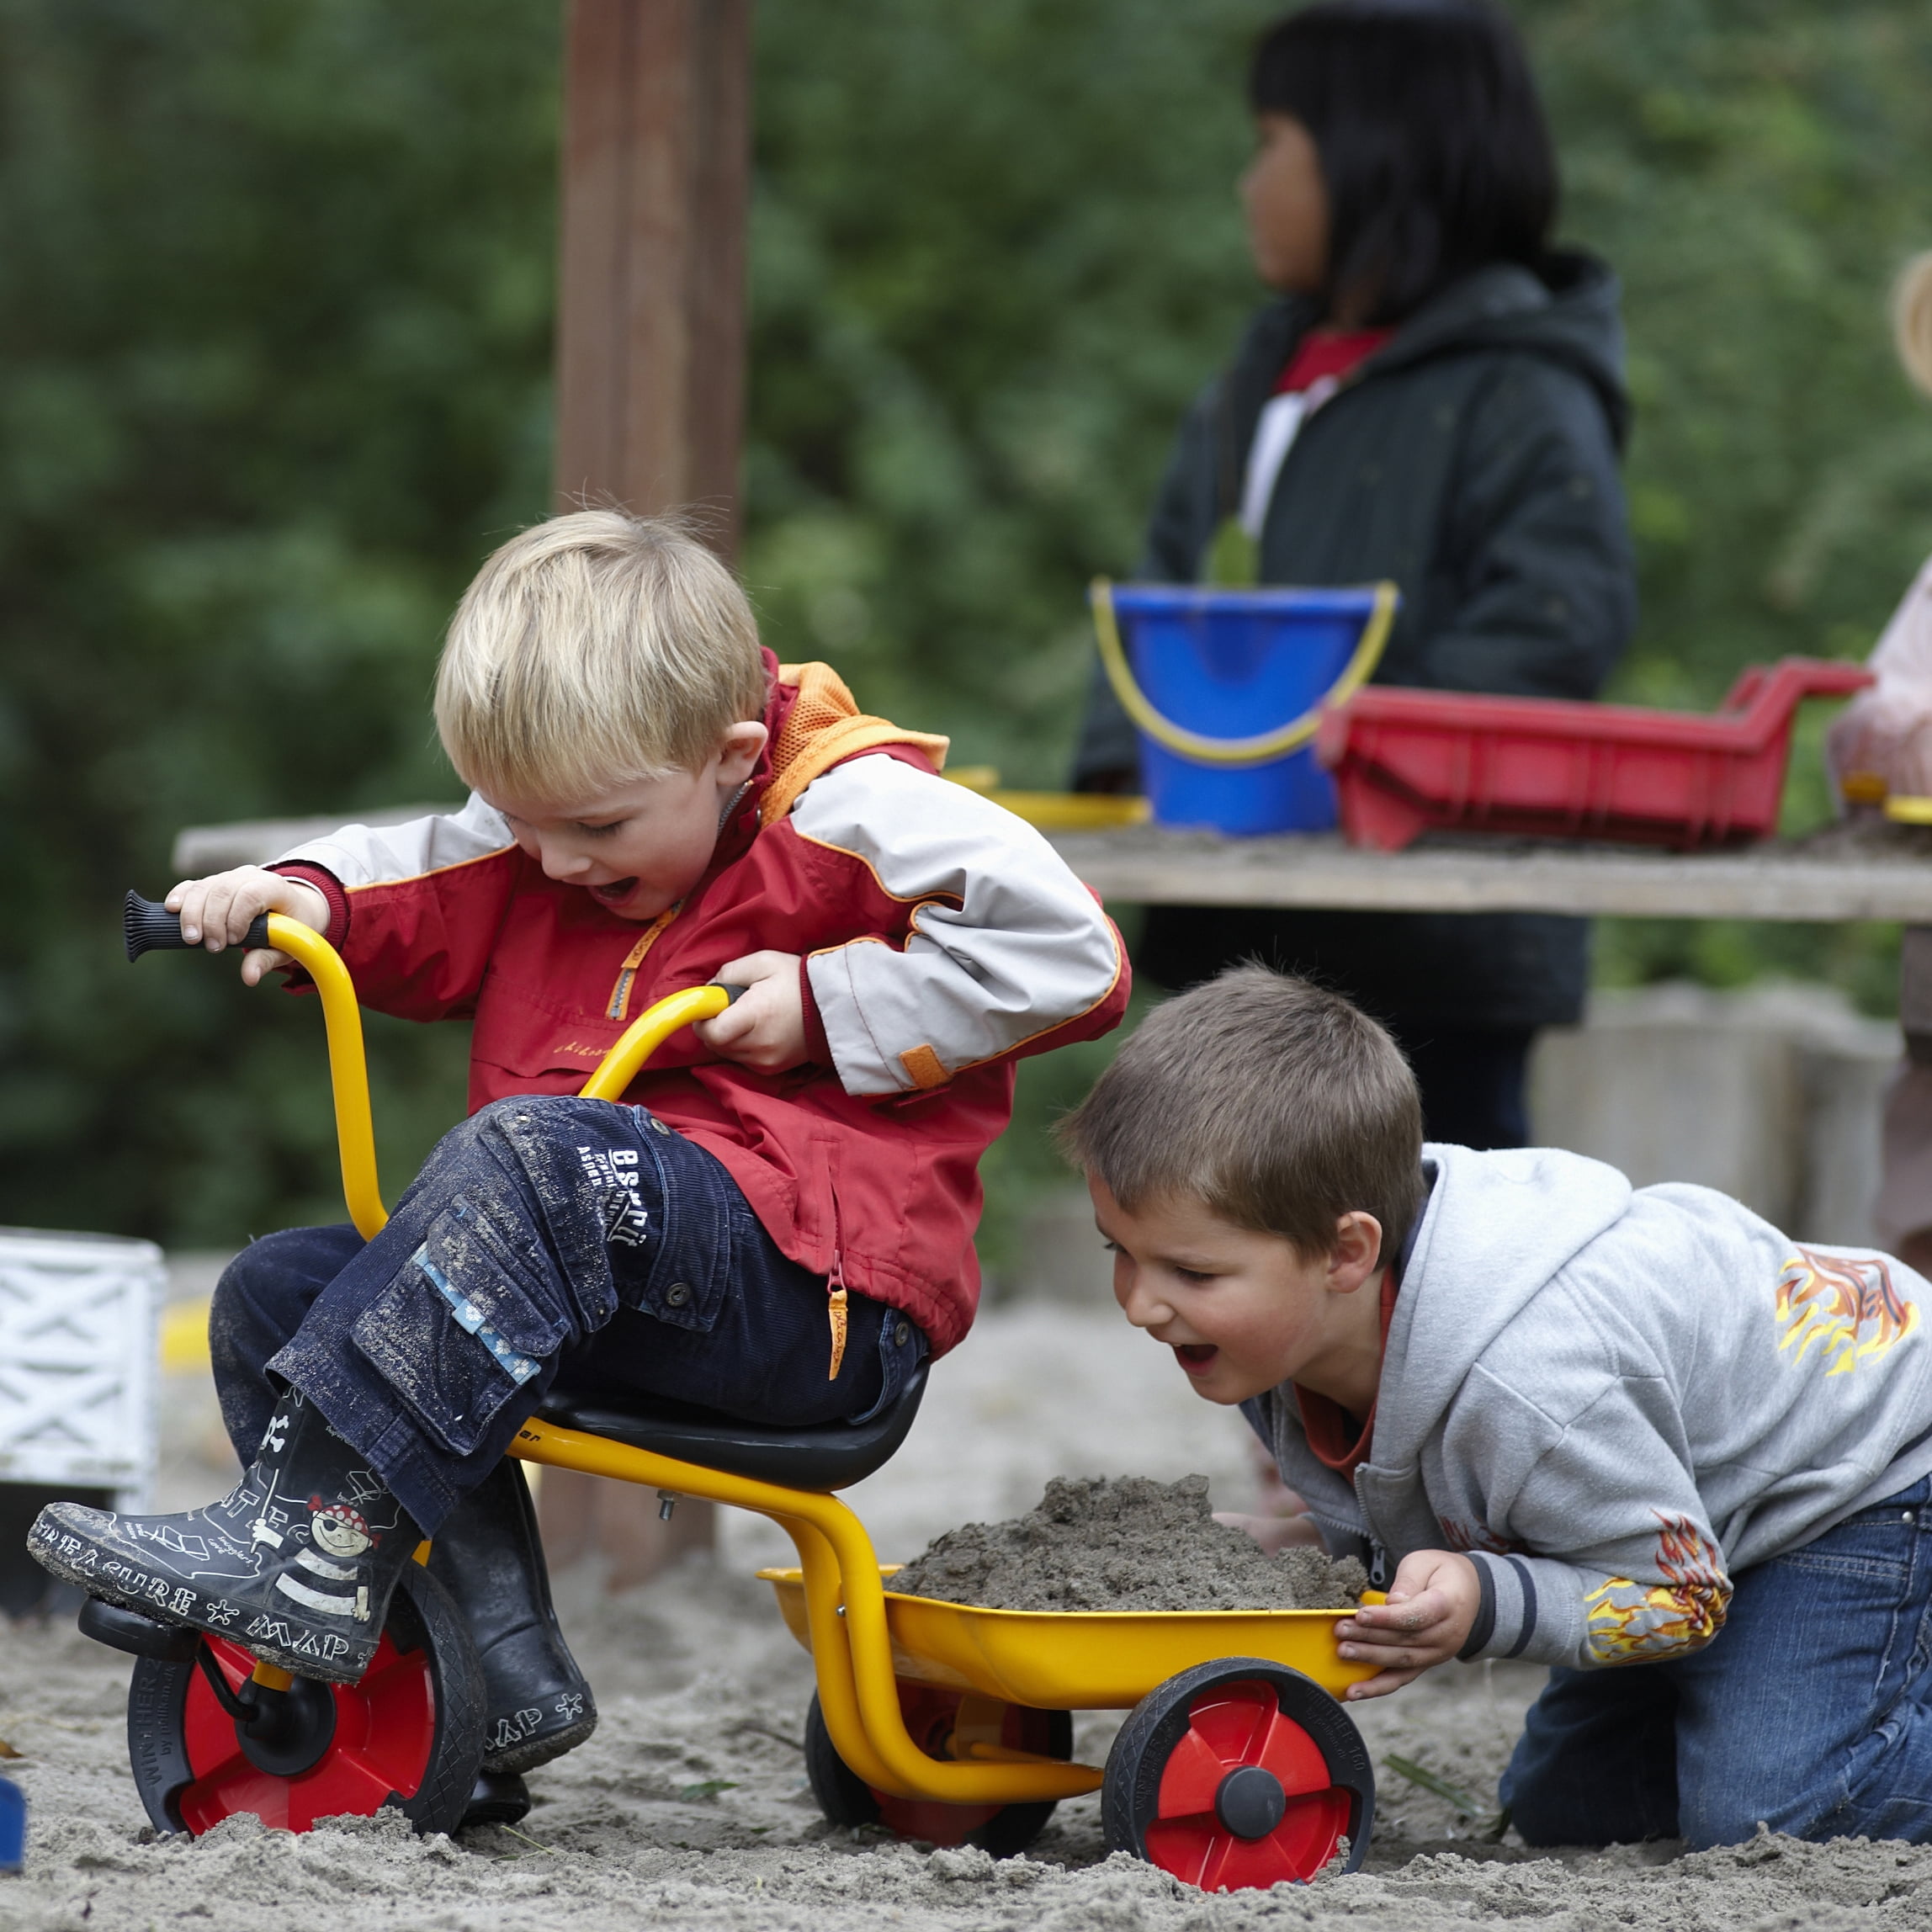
(825, 727)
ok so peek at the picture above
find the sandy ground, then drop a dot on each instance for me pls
(700, 1684)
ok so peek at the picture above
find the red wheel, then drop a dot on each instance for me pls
(940, 1722)
(1238, 1774)
(410, 1734)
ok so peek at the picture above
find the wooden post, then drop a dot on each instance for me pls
(651, 405)
(650, 321)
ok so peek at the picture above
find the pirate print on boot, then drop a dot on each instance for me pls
(296, 1562)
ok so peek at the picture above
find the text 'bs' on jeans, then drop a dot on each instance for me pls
(547, 1243)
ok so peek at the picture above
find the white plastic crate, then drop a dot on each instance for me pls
(77, 1315)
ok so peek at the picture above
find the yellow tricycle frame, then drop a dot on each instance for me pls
(851, 1650)
(836, 1601)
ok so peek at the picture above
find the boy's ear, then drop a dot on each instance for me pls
(1358, 1252)
(738, 751)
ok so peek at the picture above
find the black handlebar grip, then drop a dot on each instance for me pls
(732, 994)
(150, 927)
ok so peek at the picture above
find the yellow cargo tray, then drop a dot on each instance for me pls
(1082, 1660)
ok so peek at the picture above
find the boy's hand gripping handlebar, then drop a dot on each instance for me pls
(151, 927)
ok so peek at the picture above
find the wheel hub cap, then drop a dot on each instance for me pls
(1250, 1801)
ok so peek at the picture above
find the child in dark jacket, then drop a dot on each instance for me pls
(777, 1221)
(1436, 397)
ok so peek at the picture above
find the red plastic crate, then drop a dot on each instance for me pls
(1409, 761)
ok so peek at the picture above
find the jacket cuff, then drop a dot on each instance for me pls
(1511, 1606)
(1536, 1611)
(1484, 1627)
(818, 1047)
(331, 887)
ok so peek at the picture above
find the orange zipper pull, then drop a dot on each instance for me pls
(835, 1307)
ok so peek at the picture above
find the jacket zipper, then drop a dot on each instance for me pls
(619, 1006)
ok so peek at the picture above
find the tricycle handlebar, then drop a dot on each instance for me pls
(150, 927)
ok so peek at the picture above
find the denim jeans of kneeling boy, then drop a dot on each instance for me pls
(547, 1243)
(1811, 1711)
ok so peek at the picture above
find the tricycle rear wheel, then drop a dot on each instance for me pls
(1236, 1774)
(939, 1720)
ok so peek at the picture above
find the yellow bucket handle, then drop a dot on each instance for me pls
(1268, 744)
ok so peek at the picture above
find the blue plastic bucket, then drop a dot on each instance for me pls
(1231, 669)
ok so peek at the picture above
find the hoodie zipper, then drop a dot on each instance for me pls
(1379, 1570)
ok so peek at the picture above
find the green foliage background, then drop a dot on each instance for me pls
(275, 290)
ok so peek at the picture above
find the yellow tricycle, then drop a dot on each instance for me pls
(939, 1722)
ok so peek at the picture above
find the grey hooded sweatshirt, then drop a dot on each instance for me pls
(1612, 1399)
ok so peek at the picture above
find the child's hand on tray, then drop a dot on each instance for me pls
(1425, 1621)
(217, 911)
(765, 1027)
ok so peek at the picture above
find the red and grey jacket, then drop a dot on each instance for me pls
(943, 938)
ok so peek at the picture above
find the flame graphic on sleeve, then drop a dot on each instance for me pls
(1630, 1622)
(1848, 1305)
(1458, 1535)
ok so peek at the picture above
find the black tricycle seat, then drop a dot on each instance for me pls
(830, 1456)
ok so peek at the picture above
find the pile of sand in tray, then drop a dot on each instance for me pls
(1124, 1543)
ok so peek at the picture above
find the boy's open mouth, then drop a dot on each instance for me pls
(1196, 1358)
(616, 892)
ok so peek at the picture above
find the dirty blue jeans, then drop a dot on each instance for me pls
(571, 1243)
(1811, 1709)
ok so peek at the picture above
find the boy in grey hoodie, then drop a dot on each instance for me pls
(1635, 1434)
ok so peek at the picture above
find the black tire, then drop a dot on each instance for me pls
(1135, 1767)
(423, 1622)
(847, 1799)
(844, 1796)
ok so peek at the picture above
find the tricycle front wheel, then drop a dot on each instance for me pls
(410, 1735)
(1236, 1774)
(939, 1722)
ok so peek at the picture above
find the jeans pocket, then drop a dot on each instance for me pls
(902, 1346)
(685, 1283)
(455, 1335)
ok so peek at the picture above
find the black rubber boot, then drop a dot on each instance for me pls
(488, 1557)
(496, 1798)
(296, 1562)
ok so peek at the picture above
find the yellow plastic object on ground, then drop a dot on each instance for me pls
(1904, 809)
(1082, 1660)
(184, 1337)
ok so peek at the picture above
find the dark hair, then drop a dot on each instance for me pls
(1277, 1104)
(1432, 142)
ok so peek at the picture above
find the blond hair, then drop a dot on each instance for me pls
(591, 651)
(1912, 319)
(1278, 1105)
